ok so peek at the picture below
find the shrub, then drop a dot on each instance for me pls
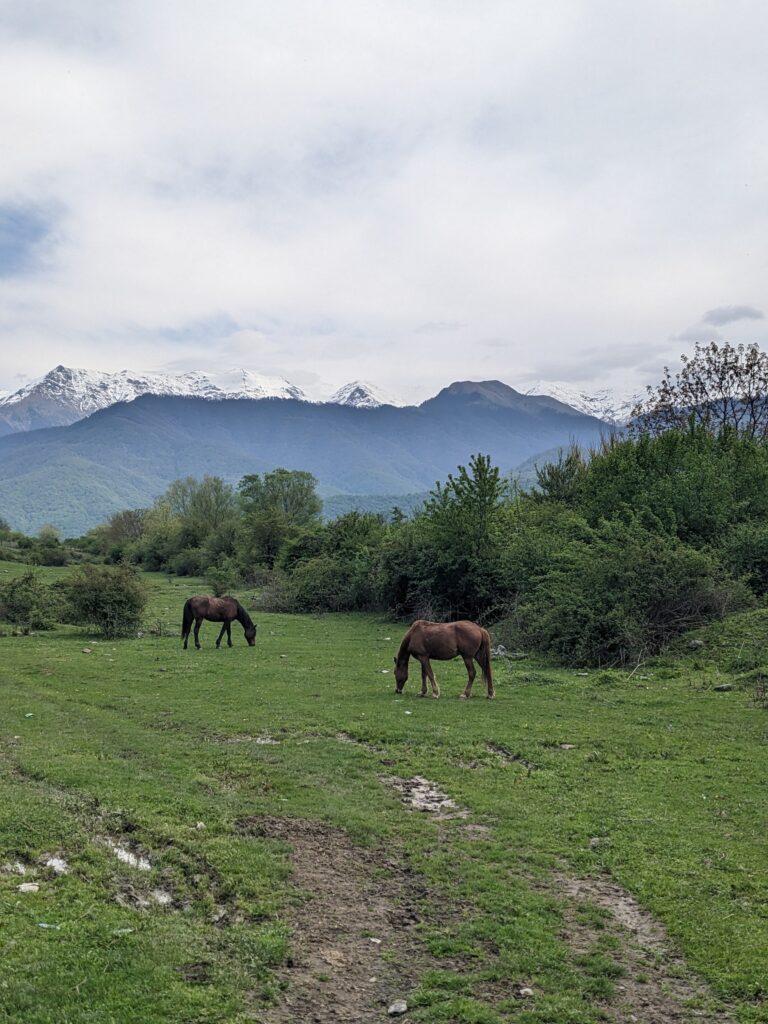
(189, 562)
(223, 578)
(622, 593)
(26, 601)
(110, 598)
(745, 552)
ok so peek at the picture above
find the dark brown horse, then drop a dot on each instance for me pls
(443, 641)
(216, 609)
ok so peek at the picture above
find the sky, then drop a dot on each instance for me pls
(409, 192)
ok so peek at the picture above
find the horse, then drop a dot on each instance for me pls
(216, 609)
(443, 641)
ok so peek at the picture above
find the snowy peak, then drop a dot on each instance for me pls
(604, 403)
(239, 383)
(67, 394)
(362, 395)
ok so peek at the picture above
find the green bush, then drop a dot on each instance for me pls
(621, 593)
(27, 602)
(745, 552)
(110, 598)
(189, 562)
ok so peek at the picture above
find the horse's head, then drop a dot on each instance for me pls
(401, 675)
(250, 636)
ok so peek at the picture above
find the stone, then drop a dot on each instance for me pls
(398, 1008)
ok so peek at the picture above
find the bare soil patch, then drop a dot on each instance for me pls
(656, 987)
(423, 795)
(354, 947)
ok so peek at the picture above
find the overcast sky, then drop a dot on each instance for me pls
(405, 191)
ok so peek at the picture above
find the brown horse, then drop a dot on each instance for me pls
(216, 609)
(443, 641)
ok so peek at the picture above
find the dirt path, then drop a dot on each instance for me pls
(656, 987)
(355, 950)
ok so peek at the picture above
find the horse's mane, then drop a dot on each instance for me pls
(403, 653)
(242, 616)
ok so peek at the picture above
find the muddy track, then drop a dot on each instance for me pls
(655, 987)
(355, 947)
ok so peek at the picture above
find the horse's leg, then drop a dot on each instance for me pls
(423, 680)
(229, 634)
(426, 667)
(186, 637)
(197, 633)
(221, 634)
(471, 673)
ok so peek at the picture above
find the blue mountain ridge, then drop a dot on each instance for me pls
(125, 456)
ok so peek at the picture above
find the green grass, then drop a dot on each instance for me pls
(135, 740)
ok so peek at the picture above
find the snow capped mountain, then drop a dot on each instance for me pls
(605, 403)
(363, 395)
(241, 383)
(67, 394)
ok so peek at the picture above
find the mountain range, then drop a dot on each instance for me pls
(126, 454)
(67, 394)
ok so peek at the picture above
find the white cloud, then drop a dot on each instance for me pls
(366, 190)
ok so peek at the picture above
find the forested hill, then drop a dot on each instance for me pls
(124, 456)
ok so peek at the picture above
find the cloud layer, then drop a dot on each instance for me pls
(410, 192)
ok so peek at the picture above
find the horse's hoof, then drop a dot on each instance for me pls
(435, 696)
(463, 696)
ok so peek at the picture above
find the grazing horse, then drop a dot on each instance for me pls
(216, 609)
(443, 641)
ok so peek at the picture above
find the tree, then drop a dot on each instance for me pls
(561, 481)
(458, 533)
(125, 526)
(275, 507)
(719, 386)
(201, 507)
(289, 493)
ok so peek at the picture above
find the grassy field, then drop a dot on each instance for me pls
(272, 871)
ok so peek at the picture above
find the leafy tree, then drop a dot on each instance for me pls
(201, 507)
(126, 526)
(291, 494)
(719, 387)
(275, 507)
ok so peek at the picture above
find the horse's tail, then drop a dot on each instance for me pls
(483, 657)
(187, 618)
